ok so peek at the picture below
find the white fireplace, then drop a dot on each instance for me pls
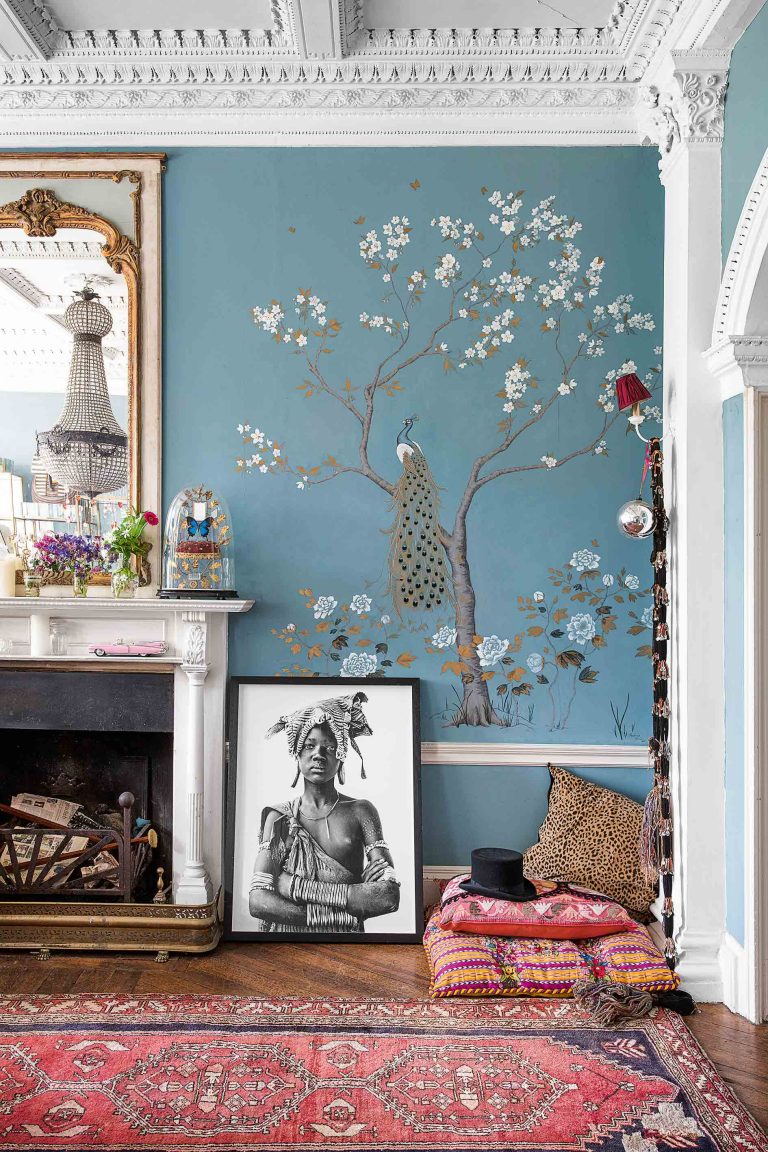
(55, 632)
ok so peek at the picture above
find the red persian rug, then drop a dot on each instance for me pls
(219, 1073)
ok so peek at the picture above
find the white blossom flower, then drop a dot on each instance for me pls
(385, 619)
(359, 664)
(581, 628)
(360, 603)
(600, 448)
(550, 461)
(299, 483)
(647, 616)
(290, 627)
(535, 662)
(538, 597)
(323, 607)
(583, 559)
(490, 650)
(608, 580)
(301, 339)
(632, 582)
(445, 637)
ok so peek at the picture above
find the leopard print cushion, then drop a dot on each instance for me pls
(591, 836)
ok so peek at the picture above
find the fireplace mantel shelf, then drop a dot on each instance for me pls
(98, 605)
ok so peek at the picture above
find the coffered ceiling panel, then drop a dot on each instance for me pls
(74, 14)
(486, 13)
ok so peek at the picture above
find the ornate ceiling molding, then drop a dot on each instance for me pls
(36, 21)
(50, 249)
(169, 96)
(331, 62)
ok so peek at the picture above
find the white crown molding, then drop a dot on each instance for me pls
(24, 288)
(50, 249)
(26, 28)
(536, 755)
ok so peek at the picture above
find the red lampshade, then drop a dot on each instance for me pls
(630, 390)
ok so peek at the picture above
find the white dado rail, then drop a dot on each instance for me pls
(196, 635)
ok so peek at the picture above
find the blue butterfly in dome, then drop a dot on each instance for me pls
(201, 526)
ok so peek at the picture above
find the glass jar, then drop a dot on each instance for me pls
(124, 583)
(79, 584)
(32, 582)
(58, 638)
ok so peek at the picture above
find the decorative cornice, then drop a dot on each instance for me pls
(51, 249)
(355, 72)
(23, 287)
(171, 43)
(37, 22)
(235, 98)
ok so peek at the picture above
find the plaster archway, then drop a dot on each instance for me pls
(738, 358)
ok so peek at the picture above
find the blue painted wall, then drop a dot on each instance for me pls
(287, 220)
(746, 117)
(733, 449)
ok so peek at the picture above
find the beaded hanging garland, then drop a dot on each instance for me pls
(657, 840)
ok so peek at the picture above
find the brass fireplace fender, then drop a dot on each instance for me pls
(67, 926)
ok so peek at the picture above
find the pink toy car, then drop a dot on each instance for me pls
(134, 648)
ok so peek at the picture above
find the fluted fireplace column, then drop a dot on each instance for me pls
(194, 886)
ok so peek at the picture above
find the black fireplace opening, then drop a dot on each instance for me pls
(86, 737)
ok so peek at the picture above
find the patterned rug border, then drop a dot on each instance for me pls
(730, 1125)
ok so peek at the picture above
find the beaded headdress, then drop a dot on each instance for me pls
(342, 714)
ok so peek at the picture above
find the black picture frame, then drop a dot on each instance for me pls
(391, 765)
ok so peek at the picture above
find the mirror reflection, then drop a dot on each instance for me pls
(64, 385)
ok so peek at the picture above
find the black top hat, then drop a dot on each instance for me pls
(498, 872)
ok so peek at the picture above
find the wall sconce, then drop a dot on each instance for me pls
(630, 393)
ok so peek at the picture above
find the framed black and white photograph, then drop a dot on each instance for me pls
(323, 837)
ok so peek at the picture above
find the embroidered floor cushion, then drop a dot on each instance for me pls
(591, 836)
(560, 912)
(463, 964)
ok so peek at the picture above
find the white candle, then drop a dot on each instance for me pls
(8, 575)
(199, 510)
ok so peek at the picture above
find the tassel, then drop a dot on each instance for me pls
(650, 860)
(340, 774)
(607, 1001)
(296, 778)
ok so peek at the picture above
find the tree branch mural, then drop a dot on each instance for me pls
(485, 285)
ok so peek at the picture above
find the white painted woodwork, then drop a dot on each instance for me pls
(196, 633)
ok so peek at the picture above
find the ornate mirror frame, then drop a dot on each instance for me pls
(40, 212)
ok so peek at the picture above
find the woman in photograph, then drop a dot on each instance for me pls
(322, 864)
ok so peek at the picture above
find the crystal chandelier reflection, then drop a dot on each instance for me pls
(86, 450)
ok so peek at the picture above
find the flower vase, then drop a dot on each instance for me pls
(124, 583)
(79, 584)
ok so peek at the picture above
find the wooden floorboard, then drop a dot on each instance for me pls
(738, 1049)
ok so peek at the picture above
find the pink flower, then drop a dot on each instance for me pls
(151, 518)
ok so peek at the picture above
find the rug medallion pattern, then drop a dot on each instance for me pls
(224, 1073)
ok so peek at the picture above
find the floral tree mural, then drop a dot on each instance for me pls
(537, 672)
(487, 279)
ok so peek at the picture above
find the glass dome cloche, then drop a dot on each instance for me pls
(198, 556)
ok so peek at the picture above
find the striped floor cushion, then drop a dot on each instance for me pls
(462, 964)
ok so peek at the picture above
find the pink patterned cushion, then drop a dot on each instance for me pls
(462, 964)
(560, 912)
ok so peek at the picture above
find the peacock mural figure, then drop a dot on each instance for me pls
(481, 287)
(419, 579)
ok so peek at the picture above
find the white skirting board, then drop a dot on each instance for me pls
(735, 977)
